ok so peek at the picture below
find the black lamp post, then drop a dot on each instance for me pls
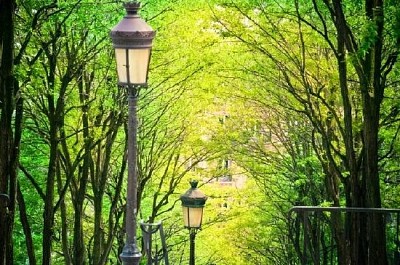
(193, 201)
(132, 40)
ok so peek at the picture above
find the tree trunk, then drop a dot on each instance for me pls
(367, 233)
(64, 226)
(372, 98)
(9, 138)
(26, 227)
(79, 198)
(48, 215)
(54, 124)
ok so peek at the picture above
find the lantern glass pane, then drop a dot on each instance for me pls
(185, 211)
(192, 217)
(138, 61)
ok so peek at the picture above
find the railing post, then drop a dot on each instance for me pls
(305, 237)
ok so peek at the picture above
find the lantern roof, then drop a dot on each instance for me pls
(193, 197)
(132, 31)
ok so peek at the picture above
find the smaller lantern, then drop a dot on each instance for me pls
(192, 205)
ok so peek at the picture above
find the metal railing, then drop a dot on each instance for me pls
(154, 253)
(315, 232)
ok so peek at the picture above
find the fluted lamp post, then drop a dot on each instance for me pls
(132, 40)
(193, 201)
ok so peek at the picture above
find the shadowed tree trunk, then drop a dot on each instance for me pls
(10, 130)
(26, 227)
(365, 188)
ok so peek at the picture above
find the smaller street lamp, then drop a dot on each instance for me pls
(193, 201)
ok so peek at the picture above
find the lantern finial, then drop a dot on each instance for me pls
(132, 8)
(194, 183)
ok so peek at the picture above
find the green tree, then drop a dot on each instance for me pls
(293, 45)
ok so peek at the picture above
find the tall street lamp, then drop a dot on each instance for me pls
(132, 40)
(193, 201)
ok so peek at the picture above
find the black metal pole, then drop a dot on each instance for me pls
(131, 254)
(192, 232)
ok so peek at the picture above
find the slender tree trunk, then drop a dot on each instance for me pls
(372, 99)
(26, 227)
(48, 215)
(79, 244)
(353, 235)
(10, 131)
(64, 225)
(54, 124)
(98, 241)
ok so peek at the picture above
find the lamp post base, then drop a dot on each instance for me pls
(130, 255)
